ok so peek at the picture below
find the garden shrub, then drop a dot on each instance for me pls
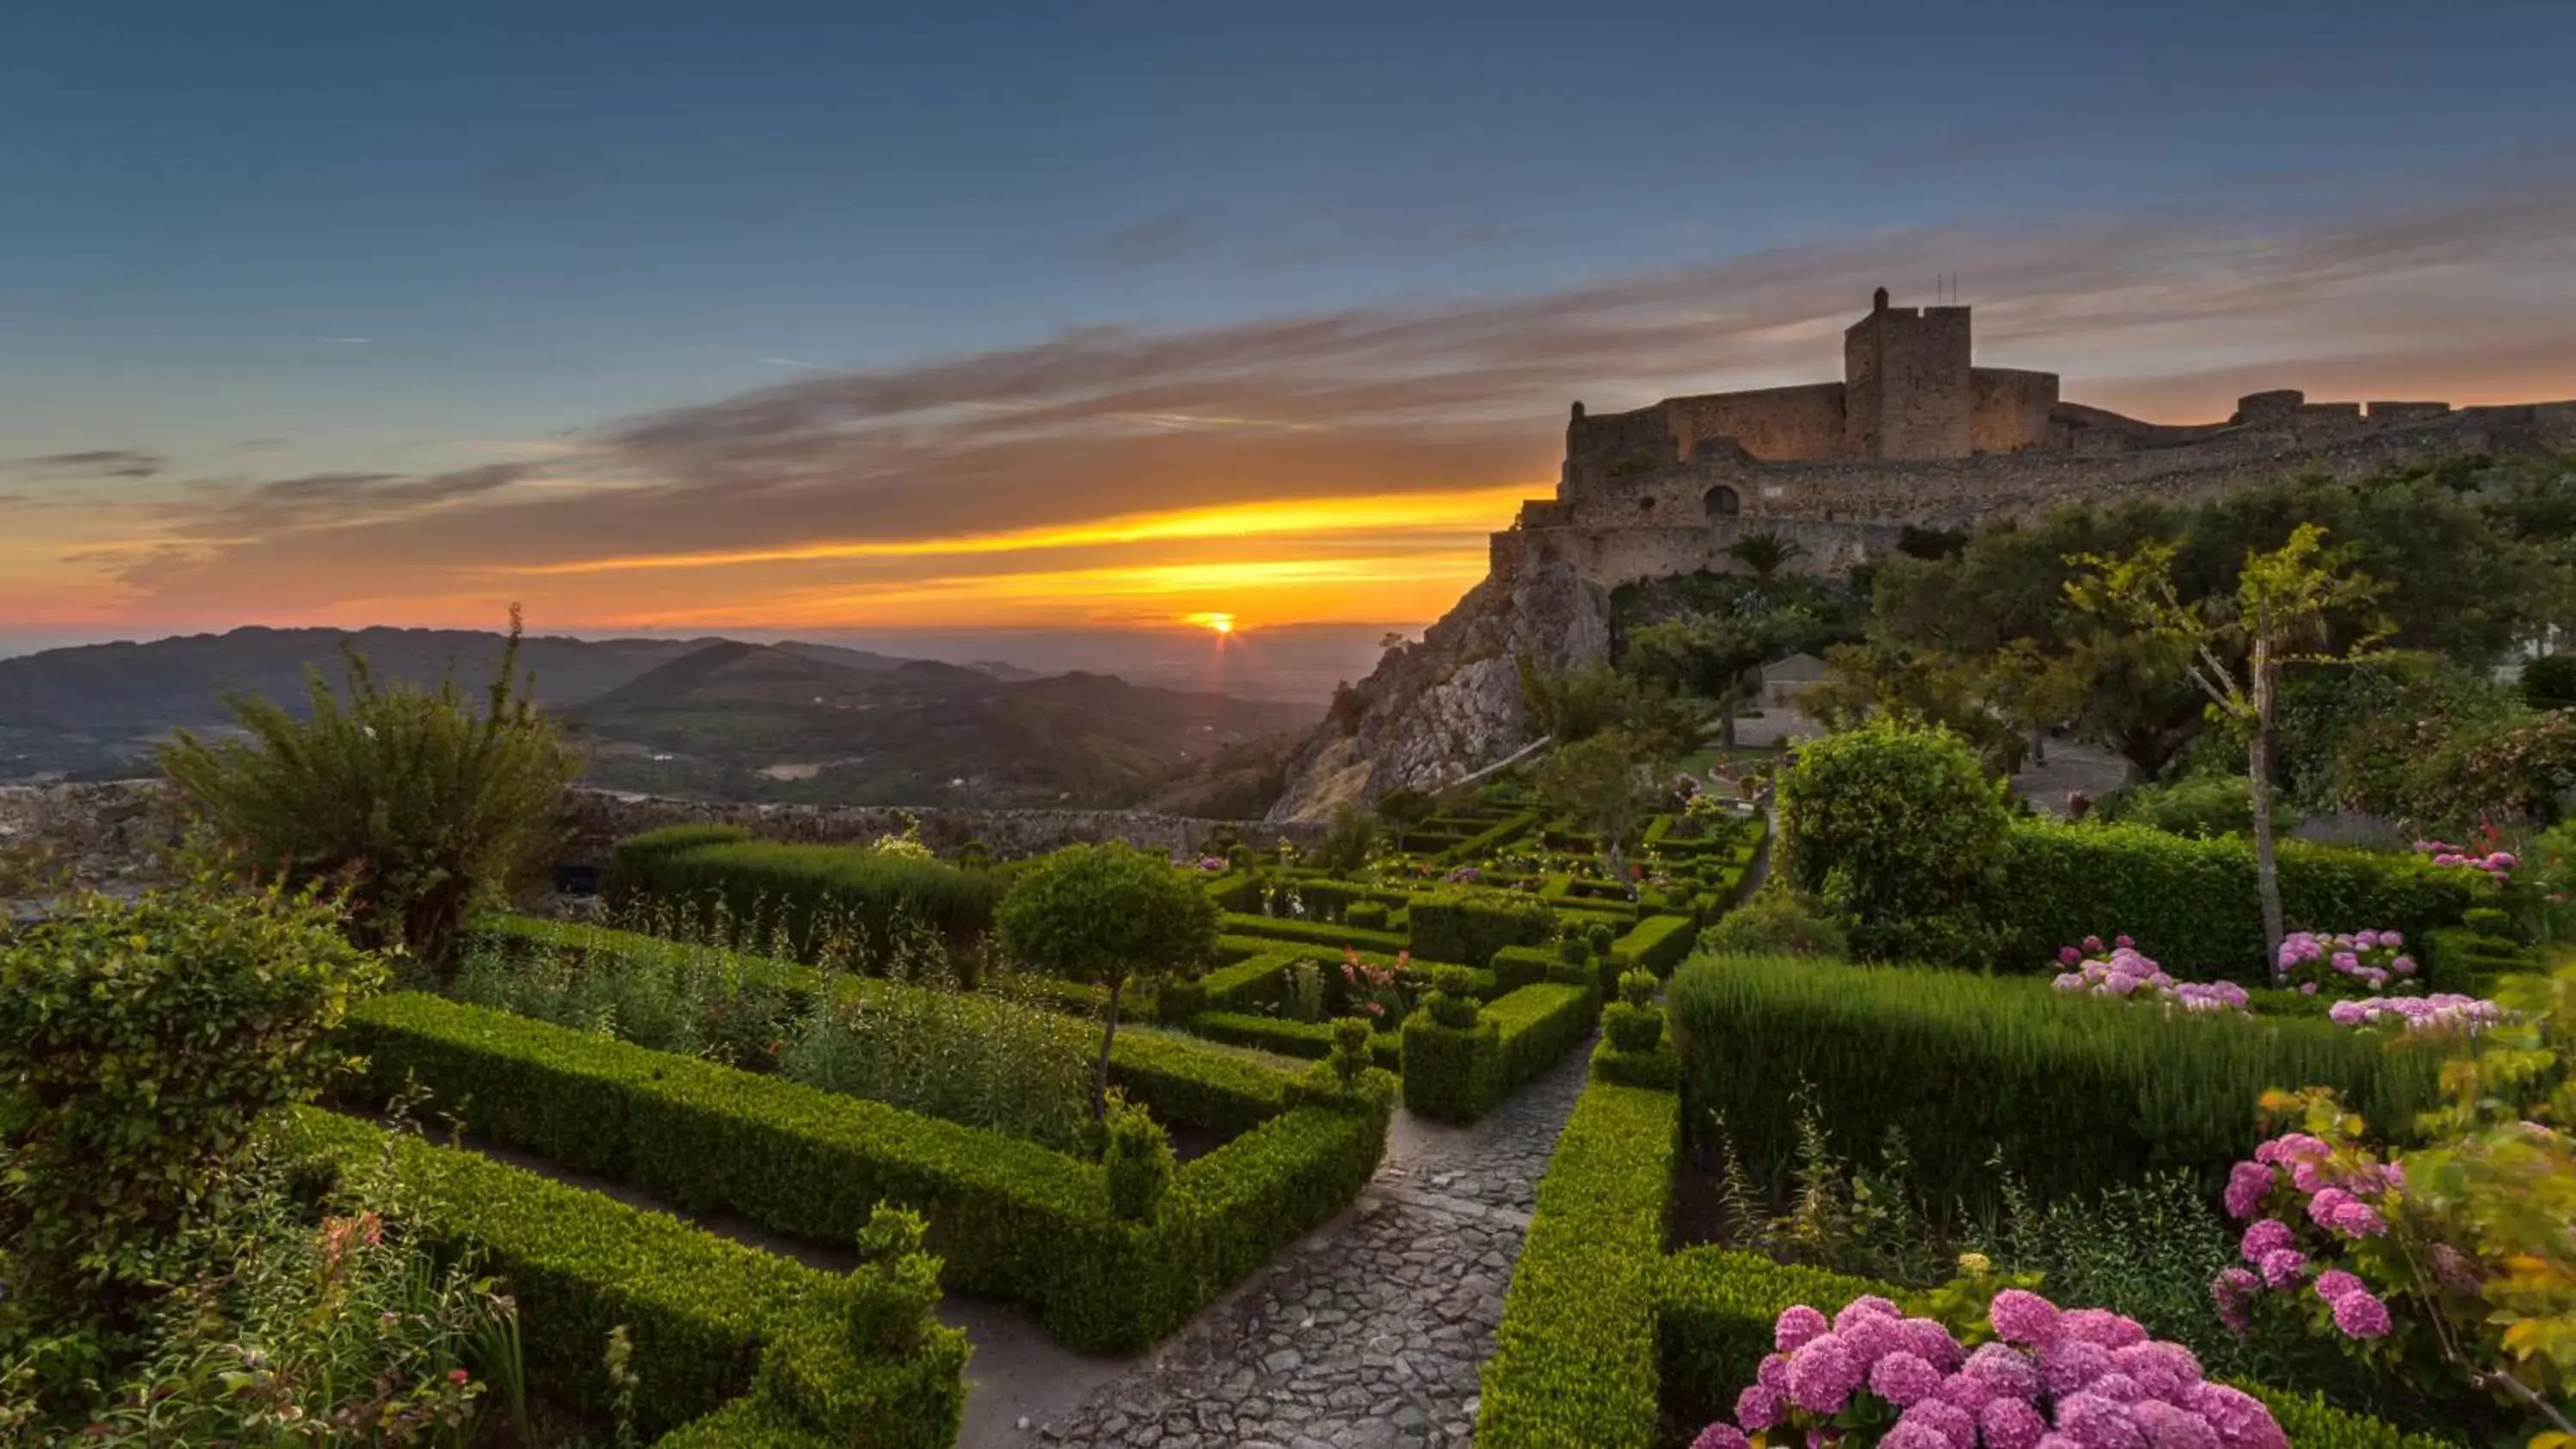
(701, 1312)
(1452, 1074)
(1313, 933)
(1366, 915)
(1138, 1159)
(1899, 832)
(632, 858)
(2191, 904)
(1574, 1356)
(1658, 943)
(143, 1047)
(417, 806)
(2078, 1093)
(1011, 1219)
(2549, 682)
(1312, 1040)
(1518, 966)
(1774, 923)
(1468, 925)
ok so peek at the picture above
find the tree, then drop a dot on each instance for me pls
(423, 806)
(2285, 608)
(1107, 914)
(1404, 809)
(1766, 554)
(1897, 829)
(1714, 656)
(1601, 782)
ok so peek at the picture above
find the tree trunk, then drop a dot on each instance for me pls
(2258, 776)
(1727, 704)
(1100, 1072)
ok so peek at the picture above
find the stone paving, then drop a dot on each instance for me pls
(1367, 1333)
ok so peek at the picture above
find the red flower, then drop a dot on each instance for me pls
(456, 1376)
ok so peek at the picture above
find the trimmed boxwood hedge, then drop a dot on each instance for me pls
(1310, 933)
(1658, 1069)
(1458, 1074)
(1312, 1040)
(1012, 1219)
(1574, 1357)
(1659, 943)
(2080, 1093)
(1468, 924)
(2192, 904)
(703, 1313)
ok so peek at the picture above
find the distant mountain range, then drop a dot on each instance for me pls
(708, 717)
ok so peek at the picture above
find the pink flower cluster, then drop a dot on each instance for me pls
(2372, 958)
(2082, 1378)
(2125, 973)
(2442, 1011)
(1212, 863)
(2297, 1174)
(2498, 864)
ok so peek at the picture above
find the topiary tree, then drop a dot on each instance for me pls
(1404, 809)
(1602, 784)
(1896, 829)
(143, 1047)
(422, 805)
(1107, 914)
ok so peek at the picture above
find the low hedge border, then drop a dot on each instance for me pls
(704, 1314)
(1494, 837)
(1659, 943)
(1658, 1070)
(1174, 1081)
(1309, 933)
(1312, 1040)
(1458, 1074)
(1012, 1219)
(1574, 1357)
(776, 887)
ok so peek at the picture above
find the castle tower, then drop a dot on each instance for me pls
(1907, 392)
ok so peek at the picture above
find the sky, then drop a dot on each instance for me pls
(835, 319)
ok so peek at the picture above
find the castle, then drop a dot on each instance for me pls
(1916, 436)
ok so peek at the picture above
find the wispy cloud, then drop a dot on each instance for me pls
(95, 463)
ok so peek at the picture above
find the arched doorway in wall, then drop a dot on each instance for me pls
(1722, 502)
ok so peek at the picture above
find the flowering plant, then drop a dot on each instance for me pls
(1212, 863)
(2442, 1011)
(2123, 972)
(2498, 864)
(2342, 963)
(2050, 1377)
(2454, 1258)
(1377, 990)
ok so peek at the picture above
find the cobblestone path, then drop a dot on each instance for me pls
(1367, 1333)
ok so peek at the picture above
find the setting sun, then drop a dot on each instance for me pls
(1222, 625)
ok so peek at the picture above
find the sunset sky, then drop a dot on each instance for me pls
(827, 317)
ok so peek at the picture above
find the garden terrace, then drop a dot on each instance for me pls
(1610, 1341)
(1012, 1219)
(731, 1346)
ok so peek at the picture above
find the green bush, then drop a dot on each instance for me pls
(1312, 1040)
(1138, 1159)
(1574, 1357)
(2203, 807)
(631, 859)
(2078, 1093)
(701, 1312)
(1658, 943)
(1518, 966)
(1898, 831)
(1774, 923)
(1315, 933)
(1012, 1219)
(1468, 925)
(2549, 682)
(2192, 905)
(417, 805)
(1573, 950)
(1451, 1003)
(1633, 1030)
(1366, 915)
(143, 1046)
(1658, 1070)
(1450, 1073)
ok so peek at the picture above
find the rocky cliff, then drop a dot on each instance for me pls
(1434, 711)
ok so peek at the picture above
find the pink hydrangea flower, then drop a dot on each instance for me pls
(1759, 1407)
(2283, 1267)
(2098, 1423)
(2003, 1369)
(1822, 1375)
(1868, 1305)
(2169, 1427)
(1903, 1379)
(2233, 1291)
(1952, 1423)
(1971, 1394)
(1720, 1436)
(1868, 1337)
(2163, 1369)
(2267, 1236)
(2327, 1202)
(1796, 1327)
(2333, 1283)
(2361, 1314)
(1913, 1434)
(2247, 1182)
(2011, 1424)
(2021, 1316)
(1774, 1372)
(2239, 1418)
(2102, 1326)
(2068, 1364)
(1927, 1340)
(2358, 1219)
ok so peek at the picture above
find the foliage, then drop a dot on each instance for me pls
(2077, 1093)
(971, 1057)
(1458, 1074)
(1012, 1220)
(2549, 682)
(1575, 1355)
(2287, 608)
(2203, 807)
(1404, 809)
(829, 905)
(691, 998)
(1348, 841)
(1603, 783)
(1776, 922)
(142, 1047)
(1107, 913)
(1657, 944)
(1897, 831)
(713, 1327)
(425, 808)
(1468, 924)
(1137, 1155)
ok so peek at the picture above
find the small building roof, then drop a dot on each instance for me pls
(1794, 668)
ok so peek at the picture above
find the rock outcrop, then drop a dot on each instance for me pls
(1434, 711)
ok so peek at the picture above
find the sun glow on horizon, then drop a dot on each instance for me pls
(1221, 625)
